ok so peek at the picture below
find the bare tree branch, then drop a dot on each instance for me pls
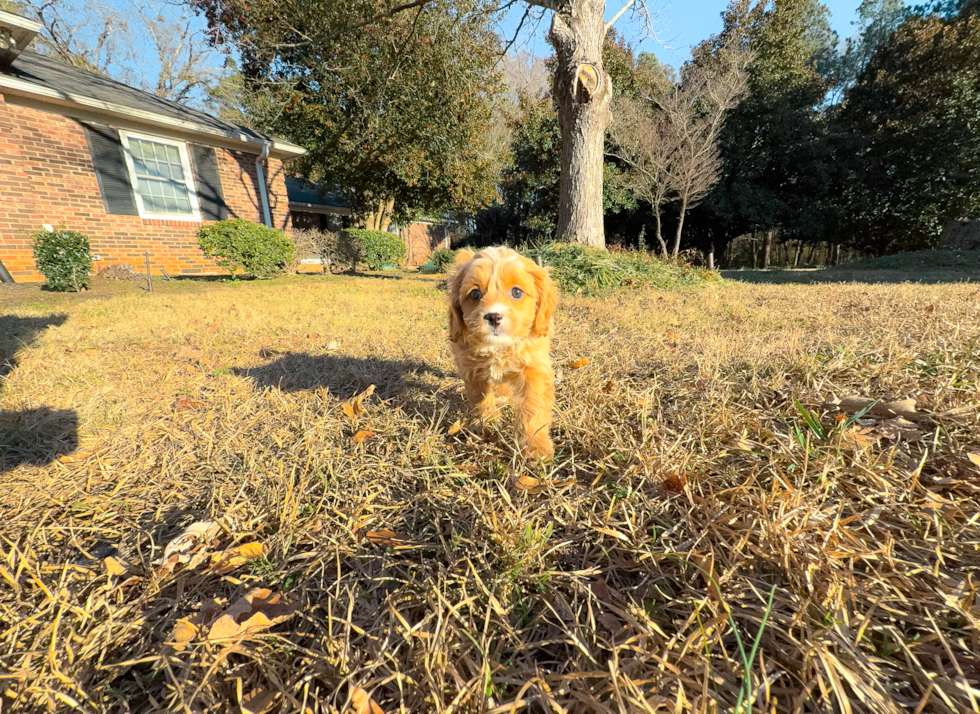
(619, 14)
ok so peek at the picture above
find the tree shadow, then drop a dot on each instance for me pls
(31, 436)
(345, 377)
(837, 275)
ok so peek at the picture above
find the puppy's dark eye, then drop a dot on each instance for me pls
(475, 294)
(516, 293)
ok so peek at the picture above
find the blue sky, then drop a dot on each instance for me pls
(679, 24)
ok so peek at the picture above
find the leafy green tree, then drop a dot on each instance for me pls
(772, 145)
(909, 136)
(394, 111)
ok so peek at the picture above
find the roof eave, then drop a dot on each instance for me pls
(277, 148)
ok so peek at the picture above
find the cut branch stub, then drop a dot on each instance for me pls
(587, 80)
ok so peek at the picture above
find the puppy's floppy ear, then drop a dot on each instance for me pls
(455, 282)
(547, 300)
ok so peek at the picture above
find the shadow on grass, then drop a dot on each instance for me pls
(928, 267)
(345, 377)
(31, 436)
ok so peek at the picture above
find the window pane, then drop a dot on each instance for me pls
(160, 177)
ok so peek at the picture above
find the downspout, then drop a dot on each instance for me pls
(263, 192)
(5, 277)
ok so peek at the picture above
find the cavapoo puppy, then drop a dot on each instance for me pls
(500, 307)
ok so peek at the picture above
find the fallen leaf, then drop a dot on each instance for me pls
(226, 561)
(578, 364)
(361, 436)
(529, 485)
(258, 701)
(363, 704)
(610, 622)
(72, 458)
(386, 539)
(674, 483)
(191, 353)
(183, 633)
(116, 566)
(313, 336)
(975, 458)
(899, 429)
(259, 610)
(188, 547)
(355, 406)
(861, 436)
(672, 335)
(333, 346)
(605, 594)
(455, 427)
(185, 403)
(902, 408)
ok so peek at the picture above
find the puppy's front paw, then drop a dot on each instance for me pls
(540, 447)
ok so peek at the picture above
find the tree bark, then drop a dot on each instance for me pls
(755, 253)
(379, 218)
(809, 257)
(711, 257)
(766, 249)
(583, 92)
(796, 256)
(660, 234)
(680, 227)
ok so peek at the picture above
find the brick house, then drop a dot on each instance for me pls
(133, 172)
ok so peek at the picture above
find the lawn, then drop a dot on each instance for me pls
(717, 527)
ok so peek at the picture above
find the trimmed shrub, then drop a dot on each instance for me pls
(443, 258)
(257, 250)
(63, 258)
(373, 248)
(593, 271)
(323, 244)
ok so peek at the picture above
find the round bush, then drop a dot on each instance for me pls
(443, 258)
(259, 251)
(373, 248)
(63, 258)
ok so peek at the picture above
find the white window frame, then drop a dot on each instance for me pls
(195, 217)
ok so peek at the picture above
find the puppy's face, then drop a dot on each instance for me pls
(498, 296)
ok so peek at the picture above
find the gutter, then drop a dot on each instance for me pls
(263, 191)
(18, 87)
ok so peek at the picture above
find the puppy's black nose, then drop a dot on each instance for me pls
(493, 318)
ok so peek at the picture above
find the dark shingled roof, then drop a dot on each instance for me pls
(56, 75)
(300, 191)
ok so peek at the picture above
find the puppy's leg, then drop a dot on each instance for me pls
(479, 393)
(534, 400)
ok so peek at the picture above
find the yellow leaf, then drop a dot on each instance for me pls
(115, 566)
(361, 436)
(975, 458)
(578, 364)
(860, 436)
(529, 485)
(348, 410)
(354, 407)
(455, 427)
(183, 633)
(226, 561)
(259, 610)
(363, 704)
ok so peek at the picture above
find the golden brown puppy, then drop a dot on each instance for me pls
(500, 306)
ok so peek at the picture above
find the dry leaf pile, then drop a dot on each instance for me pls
(264, 499)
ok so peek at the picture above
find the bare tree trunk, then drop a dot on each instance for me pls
(379, 218)
(755, 252)
(766, 249)
(711, 257)
(680, 226)
(582, 91)
(809, 257)
(660, 234)
(796, 256)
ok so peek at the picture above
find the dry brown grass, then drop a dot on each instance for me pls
(688, 490)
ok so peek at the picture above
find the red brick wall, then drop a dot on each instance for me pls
(46, 176)
(420, 240)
